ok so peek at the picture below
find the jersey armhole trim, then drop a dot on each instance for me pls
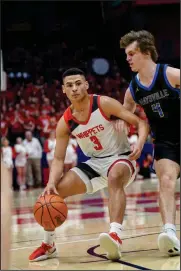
(100, 109)
(166, 79)
(66, 118)
(132, 91)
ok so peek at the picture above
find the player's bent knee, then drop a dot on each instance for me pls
(118, 176)
(115, 180)
(167, 182)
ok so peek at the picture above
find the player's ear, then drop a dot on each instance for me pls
(63, 88)
(87, 85)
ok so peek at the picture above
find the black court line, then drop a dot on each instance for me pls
(91, 252)
(93, 234)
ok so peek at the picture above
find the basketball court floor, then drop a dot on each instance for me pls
(77, 239)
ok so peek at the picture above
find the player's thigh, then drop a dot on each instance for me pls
(71, 184)
(119, 175)
(166, 167)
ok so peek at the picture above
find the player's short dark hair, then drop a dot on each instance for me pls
(145, 40)
(72, 71)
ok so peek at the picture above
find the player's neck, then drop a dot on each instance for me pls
(147, 70)
(81, 105)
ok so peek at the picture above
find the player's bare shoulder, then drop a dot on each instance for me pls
(108, 105)
(173, 76)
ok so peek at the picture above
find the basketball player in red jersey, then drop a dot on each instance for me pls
(111, 165)
(156, 87)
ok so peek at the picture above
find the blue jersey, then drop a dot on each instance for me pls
(161, 103)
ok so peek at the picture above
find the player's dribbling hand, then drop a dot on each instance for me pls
(50, 189)
(120, 126)
(136, 152)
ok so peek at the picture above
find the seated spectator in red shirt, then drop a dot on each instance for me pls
(33, 110)
(22, 105)
(29, 122)
(47, 107)
(10, 112)
(10, 96)
(19, 109)
(16, 126)
(52, 124)
(42, 125)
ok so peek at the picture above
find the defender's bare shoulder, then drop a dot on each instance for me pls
(173, 76)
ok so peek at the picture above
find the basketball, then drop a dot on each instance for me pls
(50, 211)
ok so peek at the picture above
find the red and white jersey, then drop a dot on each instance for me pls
(97, 136)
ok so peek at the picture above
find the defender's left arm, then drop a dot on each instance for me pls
(112, 107)
(173, 76)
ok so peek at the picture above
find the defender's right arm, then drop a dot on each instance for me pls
(56, 171)
(130, 105)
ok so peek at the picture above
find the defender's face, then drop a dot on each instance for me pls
(75, 87)
(134, 56)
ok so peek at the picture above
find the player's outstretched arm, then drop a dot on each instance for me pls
(130, 105)
(56, 170)
(173, 76)
(113, 107)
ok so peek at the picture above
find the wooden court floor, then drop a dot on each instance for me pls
(77, 239)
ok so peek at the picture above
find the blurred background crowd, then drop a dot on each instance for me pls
(41, 40)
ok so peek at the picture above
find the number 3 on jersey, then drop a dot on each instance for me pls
(97, 143)
(157, 108)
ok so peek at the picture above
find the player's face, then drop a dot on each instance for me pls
(75, 87)
(134, 57)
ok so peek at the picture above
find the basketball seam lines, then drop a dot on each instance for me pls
(49, 212)
(47, 204)
(38, 207)
(58, 211)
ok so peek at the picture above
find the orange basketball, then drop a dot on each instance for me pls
(50, 211)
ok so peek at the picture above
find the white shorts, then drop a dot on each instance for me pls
(94, 172)
(20, 162)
